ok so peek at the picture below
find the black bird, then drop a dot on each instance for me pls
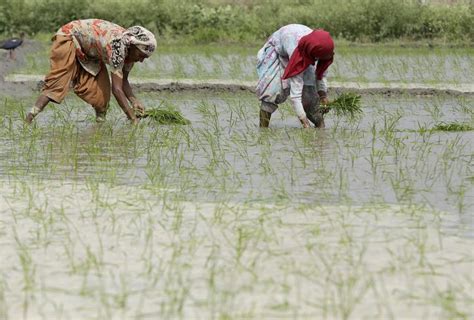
(11, 44)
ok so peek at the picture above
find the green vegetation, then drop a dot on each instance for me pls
(165, 115)
(252, 20)
(453, 127)
(347, 104)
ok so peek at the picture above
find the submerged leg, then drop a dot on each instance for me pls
(266, 110)
(56, 83)
(316, 117)
(100, 116)
(265, 119)
(314, 112)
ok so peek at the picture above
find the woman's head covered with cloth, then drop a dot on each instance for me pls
(141, 38)
(318, 45)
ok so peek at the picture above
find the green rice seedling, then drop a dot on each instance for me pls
(460, 197)
(347, 104)
(446, 299)
(3, 303)
(218, 67)
(27, 264)
(235, 66)
(165, 115)
(453, 126)
(200, 71)
(435, 110)
(464, 106)
(390, 122)
(178, 67)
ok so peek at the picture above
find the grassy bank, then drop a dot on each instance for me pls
(250, 20)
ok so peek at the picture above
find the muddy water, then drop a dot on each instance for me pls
(94, 250)
(380, 157)
(370, 218)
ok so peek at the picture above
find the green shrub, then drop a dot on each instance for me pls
(221, 20)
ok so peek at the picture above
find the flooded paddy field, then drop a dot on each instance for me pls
(371, 218)
(382, 63)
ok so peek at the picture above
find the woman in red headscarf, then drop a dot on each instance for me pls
(294, 62)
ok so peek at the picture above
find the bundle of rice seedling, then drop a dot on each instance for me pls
(347, 104)
(164, 115)
(452, 127)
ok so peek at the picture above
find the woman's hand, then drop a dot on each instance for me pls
(138, 107)
(324, 101)
(323, 98)
(121, 97)
(135, 121)
(305, 122)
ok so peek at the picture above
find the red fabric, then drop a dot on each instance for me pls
(311, 47)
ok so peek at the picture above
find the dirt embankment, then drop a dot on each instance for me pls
(180, 87)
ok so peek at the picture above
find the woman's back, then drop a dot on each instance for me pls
(286, 38)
